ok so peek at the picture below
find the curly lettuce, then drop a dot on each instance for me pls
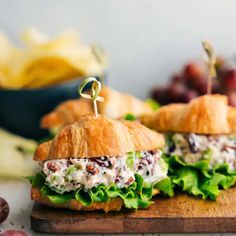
(137, 195)
(199, 179)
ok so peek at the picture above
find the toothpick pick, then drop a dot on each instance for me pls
(211, 63)
(96, 89)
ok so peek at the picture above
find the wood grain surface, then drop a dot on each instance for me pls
(181, 214)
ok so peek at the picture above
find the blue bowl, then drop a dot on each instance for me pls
(21, 110)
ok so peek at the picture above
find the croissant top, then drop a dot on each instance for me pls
(99, 136)
(208, 114)
(115, 106)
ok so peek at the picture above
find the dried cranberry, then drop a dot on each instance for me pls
(140, 167)
(92, 169)
(149, 161)
(52, 166)
(145, 161)
(117, 179)
(4, 210)
(153, 152)
(102, 161)
(142, 163)
(70, 162)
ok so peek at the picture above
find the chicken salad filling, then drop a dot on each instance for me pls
(191, 148)
(65, 175)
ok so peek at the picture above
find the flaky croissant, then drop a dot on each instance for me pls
(115, 105)
(99, 136)
(208, 114)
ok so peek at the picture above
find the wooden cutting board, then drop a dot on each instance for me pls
(181, 214)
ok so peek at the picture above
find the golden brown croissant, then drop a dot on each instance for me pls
(208, 114)
(115, 106)
(66, 113)
(99, 136)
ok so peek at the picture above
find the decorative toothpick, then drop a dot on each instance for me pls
(101, 59)
(211, 64)
(96, 89)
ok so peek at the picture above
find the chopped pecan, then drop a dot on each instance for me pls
(53, 167)
(92, 169)
(228, 147)
(130, 180)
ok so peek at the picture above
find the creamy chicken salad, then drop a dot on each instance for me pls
(193, 147)
(66, 175)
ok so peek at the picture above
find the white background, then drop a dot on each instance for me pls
(147, 40)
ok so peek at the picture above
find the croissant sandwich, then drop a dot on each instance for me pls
(116, 105)
(201, 143)
(99, 164)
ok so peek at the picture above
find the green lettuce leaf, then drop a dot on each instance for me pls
(38, 180)
(129, 197)
(55, 197)
(198, 179)
(144, 203)
(175, 162)
(99, 194)
(84, 197)
(169, 139)
(187, 179)
(135, 196)
(112, 191)
(166, 187)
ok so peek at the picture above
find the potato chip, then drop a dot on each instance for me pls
(44, 62)
(32, 37)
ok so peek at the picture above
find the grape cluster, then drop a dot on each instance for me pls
(191, 82)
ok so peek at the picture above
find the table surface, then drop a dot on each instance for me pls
(17, 193)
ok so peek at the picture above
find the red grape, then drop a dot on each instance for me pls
(179, 93)
(177, 79)
(228, 79)
(159, 94)
(14, 233)
(175, 92)
(194, 82)
(189, 95)
(176, 88)
(232, 98)
(201, 87)
(216, 88)
(193, 70)
(4, 210)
